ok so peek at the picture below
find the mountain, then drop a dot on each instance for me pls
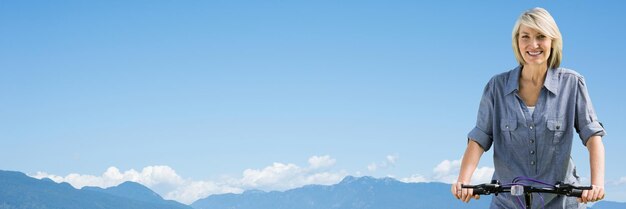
(136, 191)
(130, 190)
(19, 191)
(356, 193)
(350, 193)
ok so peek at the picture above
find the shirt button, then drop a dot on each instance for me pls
(532, 162)
(531, 127)
(532, 152)
(532, 141)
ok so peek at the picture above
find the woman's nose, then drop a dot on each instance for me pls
(534, 43)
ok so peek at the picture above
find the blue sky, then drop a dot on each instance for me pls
(214, 88)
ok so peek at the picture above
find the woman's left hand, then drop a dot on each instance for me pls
(595, 194)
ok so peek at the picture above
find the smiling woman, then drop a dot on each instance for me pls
(529, 115)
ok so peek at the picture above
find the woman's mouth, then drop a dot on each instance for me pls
(537, 53)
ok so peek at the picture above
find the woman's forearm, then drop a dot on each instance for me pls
(472, 155)
(596, 160)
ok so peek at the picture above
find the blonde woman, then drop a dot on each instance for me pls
(529, 114)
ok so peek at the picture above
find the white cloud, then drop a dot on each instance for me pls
(415, 179)
(281, 176)
(165, 181)
(621, 181)
(372, 167)
(482, 175)
(150, 176)
(194, 190)
(390, 161)
(325, 178)
(316, 162)
(447, 172)
(271, 176)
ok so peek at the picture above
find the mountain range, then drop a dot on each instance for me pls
(351, 192)
(19, 191)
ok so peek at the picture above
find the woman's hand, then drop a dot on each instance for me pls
(595, 194)
(463, 194)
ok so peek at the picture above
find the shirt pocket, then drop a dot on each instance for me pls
(508, 126)
(557, 129)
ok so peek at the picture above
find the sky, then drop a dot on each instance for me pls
(193, 98)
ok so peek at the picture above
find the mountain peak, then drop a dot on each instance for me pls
(132, 185)
(135, 191)
(48, 180)
(12, 174)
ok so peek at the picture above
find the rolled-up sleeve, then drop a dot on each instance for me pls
(482, 133)
(586, 121)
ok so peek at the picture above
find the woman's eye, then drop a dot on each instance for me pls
(541, 37)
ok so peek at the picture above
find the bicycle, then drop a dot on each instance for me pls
(518, 189)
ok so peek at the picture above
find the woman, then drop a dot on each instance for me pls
(529, 115)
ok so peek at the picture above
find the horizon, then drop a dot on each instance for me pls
(276, 177)
(343, 181)
(200, 98)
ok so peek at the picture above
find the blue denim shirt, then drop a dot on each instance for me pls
(538, 145)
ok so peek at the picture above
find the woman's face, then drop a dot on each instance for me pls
(534, 46)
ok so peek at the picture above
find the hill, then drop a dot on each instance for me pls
(356, 193)
(350, 193)
(18, 191)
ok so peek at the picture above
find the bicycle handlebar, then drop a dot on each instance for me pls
(558, 188)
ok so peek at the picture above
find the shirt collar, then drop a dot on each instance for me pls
(550, 83)
(512, 83)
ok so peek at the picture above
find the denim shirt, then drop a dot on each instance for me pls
(538, 145)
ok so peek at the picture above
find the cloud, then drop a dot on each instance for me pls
(415, 179)
(281, 176)
(390, 161)
(447, 171)
(482, 175)
(165, 181)
(151, 176)
(621, 181)
(316, 162)
(372, 167)
(270, 176)
(194, 190)
(278, 176)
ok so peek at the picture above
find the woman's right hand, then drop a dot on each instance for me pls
(463, 194)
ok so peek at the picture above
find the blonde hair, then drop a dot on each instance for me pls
(540, 20)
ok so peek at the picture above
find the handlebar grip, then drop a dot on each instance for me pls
(576, 193)
(477, 189)
(480, 191)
